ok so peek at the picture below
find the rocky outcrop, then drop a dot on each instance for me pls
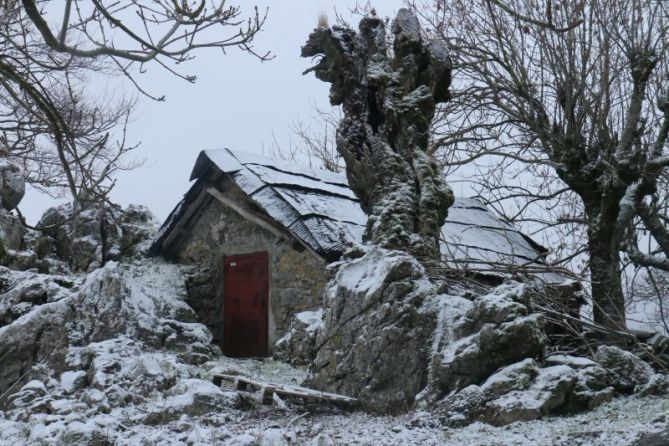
(653, 439)
(526, 391)
(84, 239)
(496, 330)
(392, 338)
(20, 292)
(119, 346)
(113, 301)
(11, 233)
(560, 384)
(12, 189)
(389, 333)
(12, 185)
(377, 331)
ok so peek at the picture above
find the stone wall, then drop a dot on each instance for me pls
(296, 276)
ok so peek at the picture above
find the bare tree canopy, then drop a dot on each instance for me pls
(65, 137)
(389, 100)
(576, 91)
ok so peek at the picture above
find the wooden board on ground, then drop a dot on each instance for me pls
(266, 391)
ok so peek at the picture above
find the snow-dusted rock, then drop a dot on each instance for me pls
(105, 353)
(85, 327)
(243, 440)
(375, 341)
(80, 433)
(593, 386)
(39, 335)
(11, 233)
(138, 227)
(389, 334)
(32, 398)
(496, 331)
(298, 345)
(86, 238)
(660, 438)
(20, 292)
(525, 391)
(275, 437)
(28, 393)
(549, 390)
(575, 362)
(320, 440)
(658, 384)
(628, 371)
(20, 260)
(66, 406)
(12, 185)
(192, 397)
(513, 377)
(71, 381)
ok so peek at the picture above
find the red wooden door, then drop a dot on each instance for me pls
(245, 290)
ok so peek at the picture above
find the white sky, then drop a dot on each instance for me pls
(237, 102)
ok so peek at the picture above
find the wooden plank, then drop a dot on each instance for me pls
(267, 390)
(266, 395)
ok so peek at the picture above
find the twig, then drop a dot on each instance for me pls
(295, 419)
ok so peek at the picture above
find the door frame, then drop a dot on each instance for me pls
(263, 256)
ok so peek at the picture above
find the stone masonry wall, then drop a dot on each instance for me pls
(296, 276)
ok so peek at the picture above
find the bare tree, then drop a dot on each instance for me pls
(69, 139)
(574, 93)
(314, 141)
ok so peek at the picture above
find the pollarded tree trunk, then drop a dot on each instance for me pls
(603, 247)
(389, 101)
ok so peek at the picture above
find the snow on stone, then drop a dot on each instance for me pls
(136, 392)
(70, 380)
(35, 386)
(576, 362)
(313, 320)
(451, 309)
(365, 275)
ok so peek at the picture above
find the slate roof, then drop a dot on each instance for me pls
(318, 208)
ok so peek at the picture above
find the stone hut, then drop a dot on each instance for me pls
(261, 232)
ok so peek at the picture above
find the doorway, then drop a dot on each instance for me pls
(245, 305)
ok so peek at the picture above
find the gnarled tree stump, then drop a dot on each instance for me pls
(389, 99)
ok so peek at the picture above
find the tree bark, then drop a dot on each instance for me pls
(601, 189)
(607, 293)
(389, 102)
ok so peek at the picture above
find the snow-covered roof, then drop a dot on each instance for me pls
(316, 206)
(319, 208)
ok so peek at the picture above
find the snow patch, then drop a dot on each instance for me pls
(313, 320)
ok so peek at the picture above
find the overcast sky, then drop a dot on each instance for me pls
(237, 102)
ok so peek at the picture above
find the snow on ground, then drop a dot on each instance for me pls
(268, 370)
(616, 423)
(125, 388)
